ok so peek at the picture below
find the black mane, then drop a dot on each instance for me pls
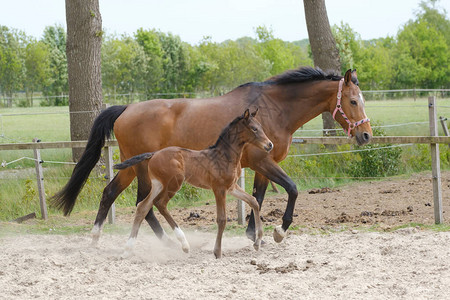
(303, 74)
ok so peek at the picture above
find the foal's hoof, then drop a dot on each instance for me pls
(186, 249)
(257, 245)
(126, 254)
(279, 234)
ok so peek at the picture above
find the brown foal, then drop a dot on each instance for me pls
(216, 168)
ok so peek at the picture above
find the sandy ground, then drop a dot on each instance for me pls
(406, 264)
(311, 263)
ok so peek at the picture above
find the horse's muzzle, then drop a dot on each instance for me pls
(268, 147)
(363, 138)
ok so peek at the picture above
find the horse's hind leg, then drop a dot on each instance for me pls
(142, 210)
(239, 193)
(110, 193)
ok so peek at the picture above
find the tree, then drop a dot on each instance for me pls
(152, 47)
(84, 40)
(37, 64)
(11, 62)
(55, 39)
(422, 53)
(124, 66)
(281, 55)
(323, 46)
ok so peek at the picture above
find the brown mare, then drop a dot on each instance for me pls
(285, 103)
(217, 168)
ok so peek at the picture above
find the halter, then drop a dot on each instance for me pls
(339, 108)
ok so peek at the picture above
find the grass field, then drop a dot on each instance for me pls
(18, 195)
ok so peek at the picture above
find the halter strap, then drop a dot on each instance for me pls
(339, 108)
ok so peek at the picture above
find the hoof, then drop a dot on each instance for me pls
(126, 254)
(186, 249)
(94, 243)
(279, 234)
(257, 245)
(250, 235)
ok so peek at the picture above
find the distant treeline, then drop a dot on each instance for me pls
(152, 62)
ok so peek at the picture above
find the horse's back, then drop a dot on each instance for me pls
(190, 123)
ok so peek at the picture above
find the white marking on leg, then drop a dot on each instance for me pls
(96, 231)
(128, 248)
(182, 238)
(130, 243)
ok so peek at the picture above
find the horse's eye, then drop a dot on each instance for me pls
(353, 102)
(254, 129)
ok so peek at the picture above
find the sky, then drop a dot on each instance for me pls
(193, 20)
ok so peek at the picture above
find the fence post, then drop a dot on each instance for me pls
(435, 162)
(240, 203)
(40, 180)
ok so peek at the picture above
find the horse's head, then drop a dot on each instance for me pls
(350, 109)
(253, 132)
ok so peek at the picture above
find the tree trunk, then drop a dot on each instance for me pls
(323, 46)
(84, 39)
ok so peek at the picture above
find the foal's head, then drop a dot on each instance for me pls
(251, 131)
(350, 112)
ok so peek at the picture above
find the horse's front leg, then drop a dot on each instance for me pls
(220, 195)
(259, 190)
(271, 170)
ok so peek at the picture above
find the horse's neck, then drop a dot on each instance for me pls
(229, 148)
(300, 104)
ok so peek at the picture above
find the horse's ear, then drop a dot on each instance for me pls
(354, 73)
(348, 77)
(246, 114)
(254, 113)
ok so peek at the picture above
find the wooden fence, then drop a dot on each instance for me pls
(433, 140)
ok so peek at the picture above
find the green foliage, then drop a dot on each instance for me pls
(11, 61)
(376, 163)
(55, 39)
(152, 64)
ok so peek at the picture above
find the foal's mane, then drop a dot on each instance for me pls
(300, 75)
(224, 135)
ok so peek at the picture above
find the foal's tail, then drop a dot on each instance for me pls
(134, 160)
(101, 130)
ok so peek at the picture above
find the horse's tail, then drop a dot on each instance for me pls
(101, 130)
(134, 160)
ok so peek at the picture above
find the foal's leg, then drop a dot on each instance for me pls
(172, 187)
(142, 209)
(110, 193)
(144, 188)
(259, 190)
(220, 195)
(270, 169)
(239, 193)
(162, 208)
